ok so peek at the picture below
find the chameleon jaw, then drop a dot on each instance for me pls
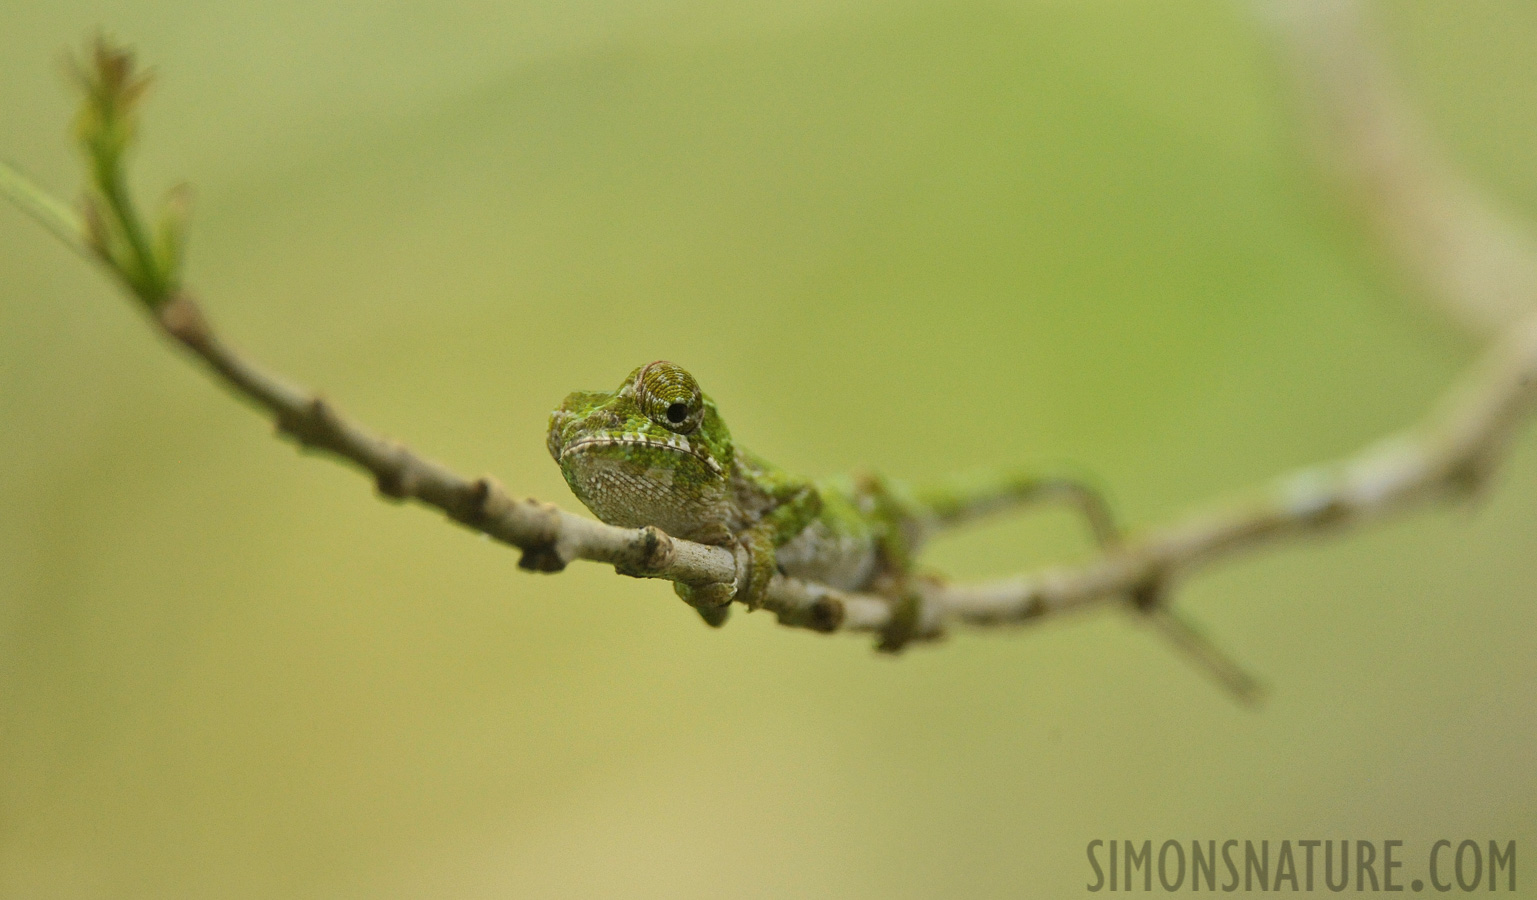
(676, 443)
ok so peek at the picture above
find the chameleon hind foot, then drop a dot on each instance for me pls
(714, 616)
(712, 601)
(755, 560)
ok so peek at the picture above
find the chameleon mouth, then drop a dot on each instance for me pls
(676, 443)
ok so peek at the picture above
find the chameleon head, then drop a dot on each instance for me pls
(654, 451)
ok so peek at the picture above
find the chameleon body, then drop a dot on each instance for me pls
(655, 451)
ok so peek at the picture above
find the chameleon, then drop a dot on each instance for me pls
(655, 451)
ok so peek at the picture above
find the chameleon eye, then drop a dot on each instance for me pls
(670, 396)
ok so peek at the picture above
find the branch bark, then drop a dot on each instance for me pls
(1457, 245)
(549, 537)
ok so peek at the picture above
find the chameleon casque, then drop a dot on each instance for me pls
(655, 451)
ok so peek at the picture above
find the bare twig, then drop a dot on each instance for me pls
(1455, 242)
(1449, 454)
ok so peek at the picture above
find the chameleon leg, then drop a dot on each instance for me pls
(755, 569)
(963, 500)
(760, 562)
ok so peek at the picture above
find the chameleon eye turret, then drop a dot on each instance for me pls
(670, 396)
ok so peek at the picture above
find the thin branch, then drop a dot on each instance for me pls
(1448, 455)
(1470, 254)
(549, 537)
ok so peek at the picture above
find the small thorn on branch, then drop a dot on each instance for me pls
(651, 551)
(1470, 476)
(542, 552)
(656, 549)
(323, 415)
(310, 425)
(485, 502)
(394, 484)
(1148, 594)
(398, 481)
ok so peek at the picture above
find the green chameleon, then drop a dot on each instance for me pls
(655, 451)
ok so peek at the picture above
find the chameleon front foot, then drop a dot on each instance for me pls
(755, 568)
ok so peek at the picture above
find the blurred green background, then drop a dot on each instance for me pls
(921, 237)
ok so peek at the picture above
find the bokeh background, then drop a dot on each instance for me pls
(921, 237)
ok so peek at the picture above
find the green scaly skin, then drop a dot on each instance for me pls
(655, 451)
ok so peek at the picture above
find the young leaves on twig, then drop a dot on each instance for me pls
(147, 261)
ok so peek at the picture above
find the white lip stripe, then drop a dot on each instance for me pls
(677, 442)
